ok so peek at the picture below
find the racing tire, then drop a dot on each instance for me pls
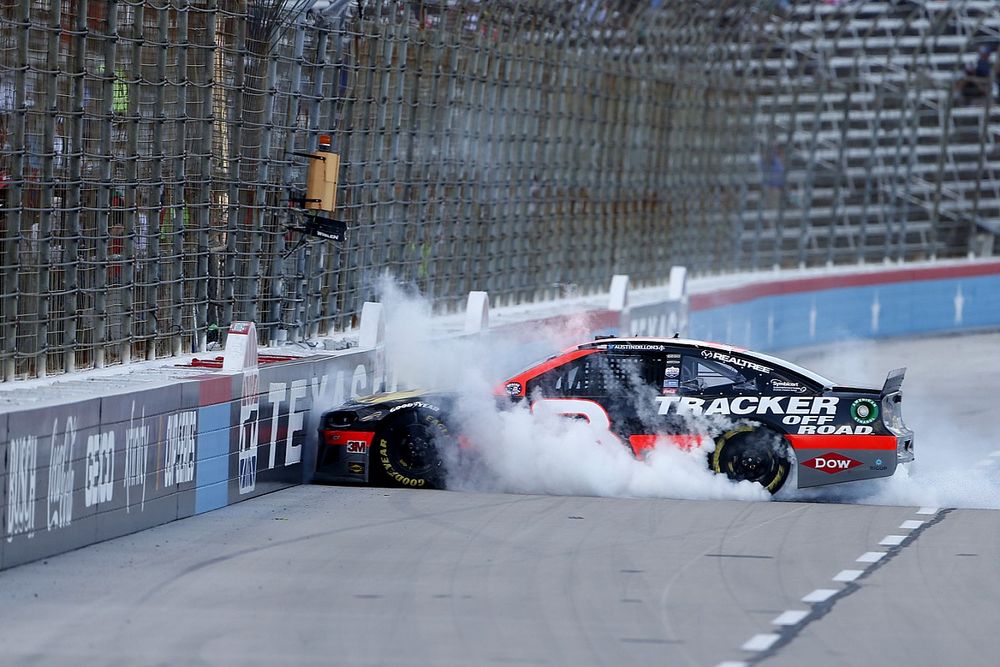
(407, 450)
(753, 454)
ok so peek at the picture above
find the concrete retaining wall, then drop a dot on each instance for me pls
(84, 464)
(79, 468)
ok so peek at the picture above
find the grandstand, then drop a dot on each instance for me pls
(883, 161)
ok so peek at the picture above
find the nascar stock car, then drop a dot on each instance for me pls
(755, 416)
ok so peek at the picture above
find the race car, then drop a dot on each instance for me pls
(754, 415)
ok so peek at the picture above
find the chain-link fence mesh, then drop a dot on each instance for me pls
(529, 148)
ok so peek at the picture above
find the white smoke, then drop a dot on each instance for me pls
(517, 451)
(947, 401)
(524, 453)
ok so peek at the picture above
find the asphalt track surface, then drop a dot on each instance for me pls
(325, 575)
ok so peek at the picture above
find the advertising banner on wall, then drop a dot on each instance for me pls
(141, 472)
(47, 461)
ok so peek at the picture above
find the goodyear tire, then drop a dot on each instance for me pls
(754, 454)
(408, 449)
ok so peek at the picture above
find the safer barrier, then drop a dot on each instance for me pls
(814, 308)
(85, 463)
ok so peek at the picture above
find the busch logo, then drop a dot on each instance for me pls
(831, 463)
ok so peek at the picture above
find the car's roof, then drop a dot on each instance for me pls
(702, 344)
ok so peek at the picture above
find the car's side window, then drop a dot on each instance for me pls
(593, 376)
(706, 376)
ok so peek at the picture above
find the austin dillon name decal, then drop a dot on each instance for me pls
(22, 465)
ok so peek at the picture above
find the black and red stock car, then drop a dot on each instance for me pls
(755, 415)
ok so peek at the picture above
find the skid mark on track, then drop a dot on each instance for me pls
(822, 600)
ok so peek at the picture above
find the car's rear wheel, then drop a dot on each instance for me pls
(753, 454)
(408, 450)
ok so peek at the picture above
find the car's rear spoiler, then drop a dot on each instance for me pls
(893, 382)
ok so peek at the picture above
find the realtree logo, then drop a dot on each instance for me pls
(831, 463)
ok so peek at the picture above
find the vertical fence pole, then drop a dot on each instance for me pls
(207, 83)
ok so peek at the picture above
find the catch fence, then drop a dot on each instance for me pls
(531, 149)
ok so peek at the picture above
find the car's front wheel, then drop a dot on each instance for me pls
(754, 454)
(408, 450)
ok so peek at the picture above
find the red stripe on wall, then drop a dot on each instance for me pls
(214, 389)
(796, 285)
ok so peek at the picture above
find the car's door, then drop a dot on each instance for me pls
(610, 388)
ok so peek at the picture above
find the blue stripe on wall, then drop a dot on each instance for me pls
(875, 311)
(212, 467)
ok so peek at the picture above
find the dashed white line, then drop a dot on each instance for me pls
(820, 595)
(790, 617)
(871, 557)
(995, 454)
(761, 642)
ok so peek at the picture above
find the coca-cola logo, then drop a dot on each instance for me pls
(831, 463)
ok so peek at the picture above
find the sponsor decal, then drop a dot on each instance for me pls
(136, 445)
(879, 465)
(864, 410)
(514, 388)
(750, 405)
(636, 347)
(786, 387)
(831, 463)
(415, 404)
(734, 361)
(356, 468)
(671, 372)
(22, 462)
(99, 486)
(249, 429)
(672, 357)
(277, 393)
(179, 456)
(671, 383)
(59, 509)
(357, 447)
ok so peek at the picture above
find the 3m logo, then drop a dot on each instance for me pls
(831, 463)
(357, 447)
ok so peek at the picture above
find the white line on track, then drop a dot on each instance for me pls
(995, 454)
(871, 557)
(761, 642)
(790, 617)
(820, 595)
